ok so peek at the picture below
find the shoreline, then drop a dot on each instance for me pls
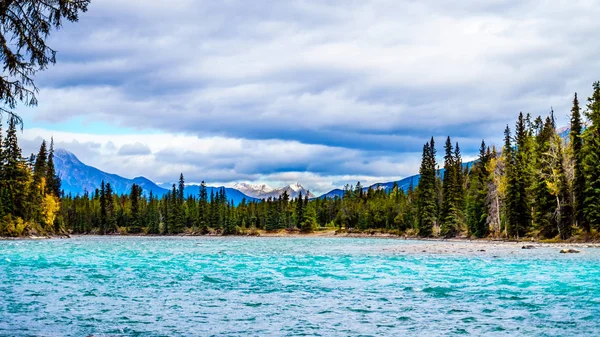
(333, 234)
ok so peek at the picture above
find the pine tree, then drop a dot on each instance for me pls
(136, 222)
(103, 211)
(460, 181)
(449, 216)
(309, 220)
(591, 160)
(426, 191)
(477, 195)
(52, 179)
(299, 211)
(37, 186)
(111, 218)
(204, 210)
(544, 201)
(15, 175)
(152, 215)
(578, 169)
(518, 180)
(564, 197)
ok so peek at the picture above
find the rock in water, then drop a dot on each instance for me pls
(528, 247)
(569, 251)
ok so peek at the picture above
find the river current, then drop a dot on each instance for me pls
(182, 286)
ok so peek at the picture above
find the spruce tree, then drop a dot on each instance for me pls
(52, 179)
(477, 195)
(449, 216)
(565, 198)
(136, 221)
(103, 211)
(578, 168)
(426, 191)
(544, 204)
(518, 167)
(152, 215)
(15, 175)
(111, 217)
(204, 210)
(36, 188)
(299, 211)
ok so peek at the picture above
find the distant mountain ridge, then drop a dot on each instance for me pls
(264, 191)
(77, 178)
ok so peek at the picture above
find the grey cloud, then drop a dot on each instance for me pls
(136, 149)
(371, 80)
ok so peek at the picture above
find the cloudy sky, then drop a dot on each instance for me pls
(321, 92)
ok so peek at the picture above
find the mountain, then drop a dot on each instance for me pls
(77, 177)
(253, 190)
(403, 184)
(264, 191)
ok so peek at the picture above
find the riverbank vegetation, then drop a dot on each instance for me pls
(540, 184)
(29, 189)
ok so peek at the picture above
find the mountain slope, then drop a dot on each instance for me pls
(77, 177)
(403, 184)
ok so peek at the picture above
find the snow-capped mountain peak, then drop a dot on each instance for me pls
(263, 191)
(253, 189)
(296, 187)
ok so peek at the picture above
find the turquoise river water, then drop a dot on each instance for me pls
(178, 286)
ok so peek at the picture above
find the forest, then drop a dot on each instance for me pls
(537, 185)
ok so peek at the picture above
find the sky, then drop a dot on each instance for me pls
(325, 93)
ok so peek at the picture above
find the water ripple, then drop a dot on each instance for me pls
(291, 286)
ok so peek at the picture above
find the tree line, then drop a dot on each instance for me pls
(29, 188)
(538, 184)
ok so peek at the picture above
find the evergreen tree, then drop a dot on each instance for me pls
(111, 217)
(26, 24)
(204, 210)
(579, 185)
(37, 187)
(152, 215)
(52, 179)
(591, 160)
(477, 195)
(136, 222)
(299, 211)
(103, 209)
(544, 201)
(427, 195)
(15, 175)
(518, 180)
(564, 198)
(309, 220)
(449, 214)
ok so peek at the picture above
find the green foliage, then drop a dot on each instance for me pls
(26, 24)
(529, 189)
(544, 204)
(576, 138)
(479, 178)
(427, 196)
(518, 170)
(591, 161)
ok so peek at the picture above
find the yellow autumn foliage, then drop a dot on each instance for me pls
(50, 208)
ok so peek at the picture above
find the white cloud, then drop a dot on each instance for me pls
(317, 89)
